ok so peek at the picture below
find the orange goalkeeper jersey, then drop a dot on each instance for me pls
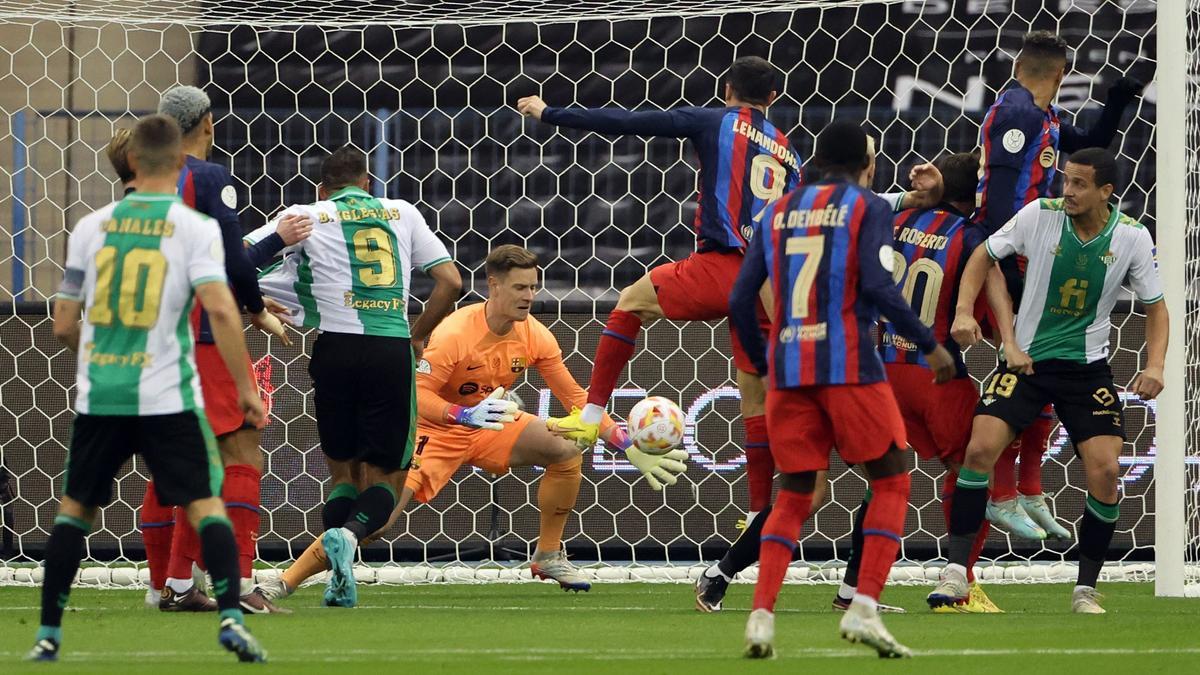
(465, 361)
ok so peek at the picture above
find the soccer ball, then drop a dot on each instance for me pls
(656, 425)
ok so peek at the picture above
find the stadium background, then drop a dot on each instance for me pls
(434, 108)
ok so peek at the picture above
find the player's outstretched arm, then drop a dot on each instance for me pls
(266, 242)
(1149, 383)
(226, 322)
(447, 286)
(1101, 135)
(672, 123)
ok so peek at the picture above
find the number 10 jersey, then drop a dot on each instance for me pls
(352, 274)
(134, 265)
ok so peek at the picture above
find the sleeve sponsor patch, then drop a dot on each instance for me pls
(423, 367)
(229, 196)
(1008, 227)
(1013, 140)
(887, 258)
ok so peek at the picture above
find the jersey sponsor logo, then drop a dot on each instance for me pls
(1046, 159)
(423, 367)
(518, 364)
(789, 334)
(468, 388)
(134, 359)
(229, 196)
(372, 304)
(1014, 140)
(900, 342)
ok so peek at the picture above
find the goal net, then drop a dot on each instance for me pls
(428, 90)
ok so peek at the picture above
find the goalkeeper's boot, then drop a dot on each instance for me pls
(236, 638)
(45, 649)
(951, 592)
(1008, 516)
(841, 604)
(257, 602)
(1086, 600)
(1038, 509)
(555, 567)
(191, 600)
(861, 624)
(978, 602)
(710, 592)
(339, 544)
(274, 589)
(760, 635)
(573, 428)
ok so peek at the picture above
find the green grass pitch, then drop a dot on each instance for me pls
(616, 628)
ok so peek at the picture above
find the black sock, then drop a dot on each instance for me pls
(220, 552)
(337, 507)
(967, 513)
(856, 542)
(744, 551)
(64, 550)
(371, 510)
(1095, 534)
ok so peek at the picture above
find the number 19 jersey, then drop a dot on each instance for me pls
(352, 274)
(134, 265)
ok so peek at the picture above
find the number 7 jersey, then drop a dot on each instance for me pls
(134, 264)
(352, 274)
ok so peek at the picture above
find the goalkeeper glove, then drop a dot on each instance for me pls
(658, 469)
(1124, 90)
(492, 412)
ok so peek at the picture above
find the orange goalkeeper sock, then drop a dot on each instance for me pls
(557, 492)
(310, 563)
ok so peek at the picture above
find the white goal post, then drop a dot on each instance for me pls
(428, 91)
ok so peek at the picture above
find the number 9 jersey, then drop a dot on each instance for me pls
(352, 274)
(931, 249)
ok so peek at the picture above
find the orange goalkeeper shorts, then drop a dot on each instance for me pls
(442, 449)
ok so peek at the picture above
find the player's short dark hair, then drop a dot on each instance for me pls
(1103, 163)
(344, 166)
(156, 143)
(841, 148)
(118, 154)
(960, 175)
(753, 79)
(507, 257)
(1043, 52)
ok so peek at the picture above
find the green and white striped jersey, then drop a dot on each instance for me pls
(135, 264)
(1071, 286)
(352, 274)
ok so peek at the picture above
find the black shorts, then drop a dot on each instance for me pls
(365, 399)
(179, 449)
(1084, 397)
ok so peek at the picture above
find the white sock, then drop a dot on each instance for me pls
(955, 567)
(866, 601)
(715, 571)
(1082, 588)
(846, 592)
(180, 585)
(592, 414)
(350, 535)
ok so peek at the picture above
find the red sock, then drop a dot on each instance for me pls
(1004, 474)
(1033, 446)
(882, 530)
(614, 351)
(185, 547)
(760, 466)
(779, 535)
(241, 494)
(157, 523)
(980, 539)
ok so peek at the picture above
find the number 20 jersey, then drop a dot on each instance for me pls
(931, 250)
(134, 264)
(352, 274)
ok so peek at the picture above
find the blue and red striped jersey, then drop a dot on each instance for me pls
(827, 251)
(931, 250)
(1016, 134)
(745, 161)
(208, 188)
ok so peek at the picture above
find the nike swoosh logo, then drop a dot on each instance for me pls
(473, 367)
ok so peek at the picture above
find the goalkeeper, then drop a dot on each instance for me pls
(473, 356)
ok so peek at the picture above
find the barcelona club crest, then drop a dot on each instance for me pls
(518, 364)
